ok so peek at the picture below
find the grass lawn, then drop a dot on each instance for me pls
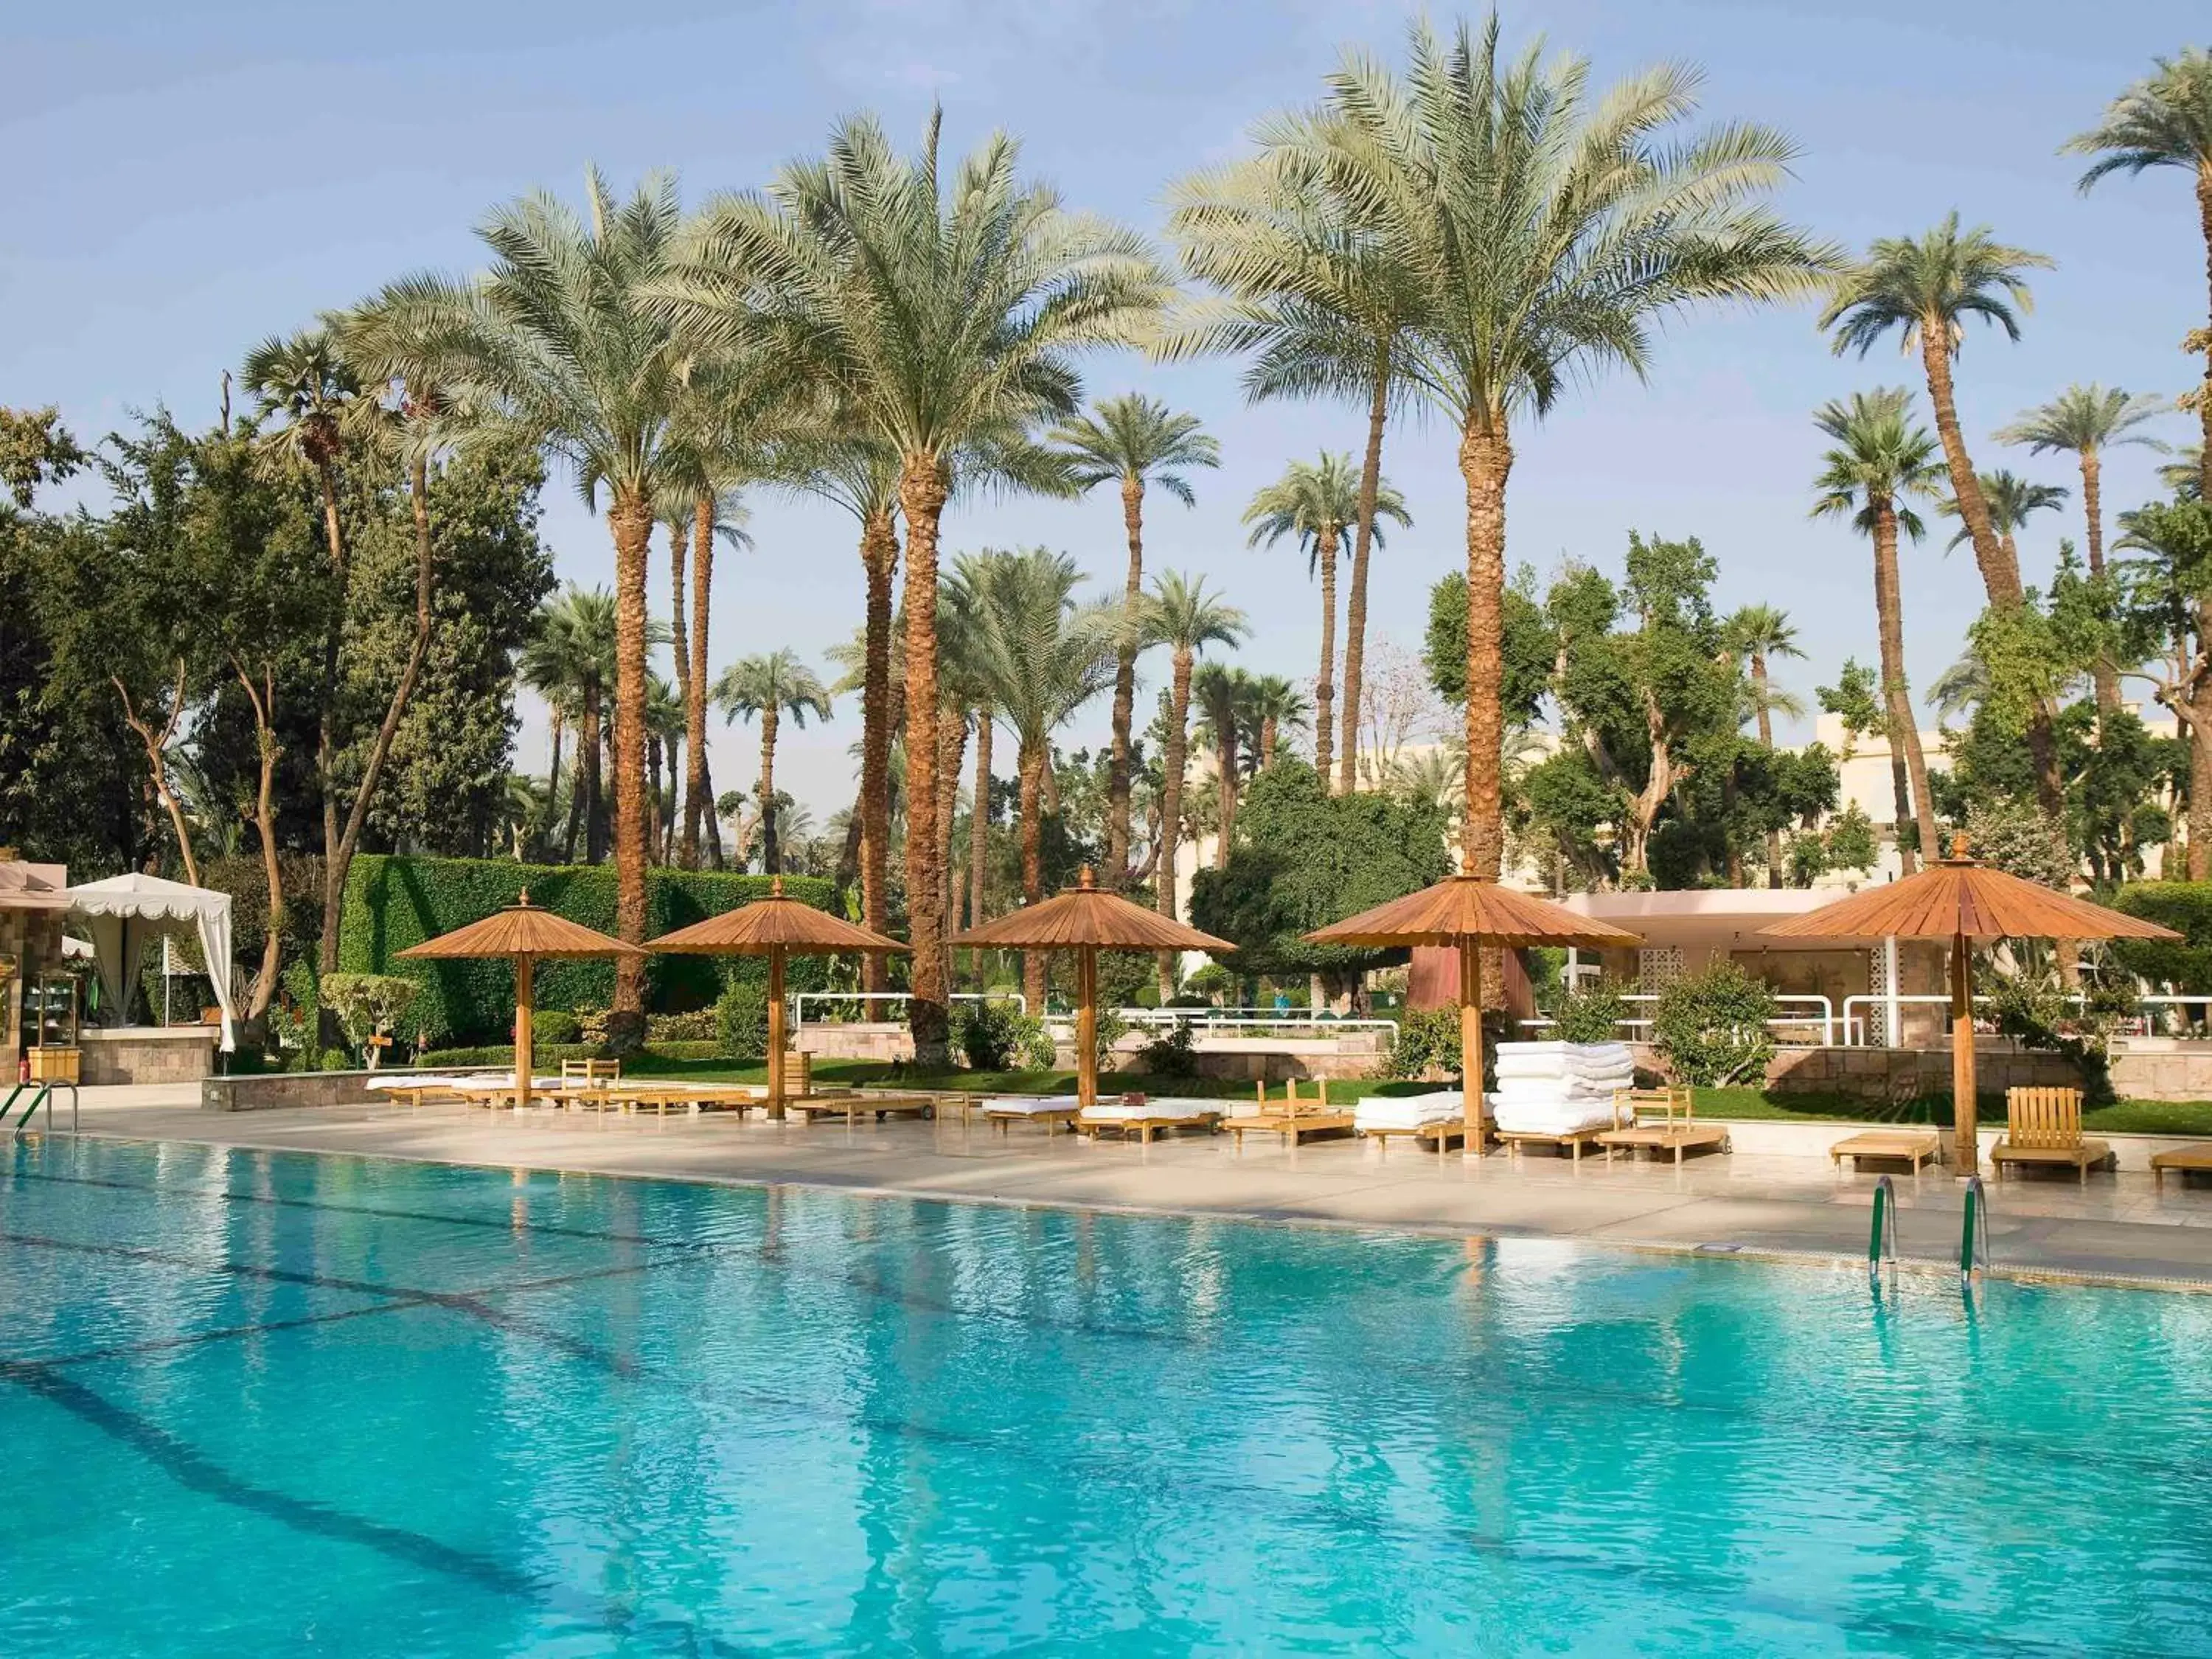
(2155, 1117)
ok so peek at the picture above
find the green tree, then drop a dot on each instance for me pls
(1312, 503)
(1544, 231)
(1759, 634)
(1132, 441)
(773, 685)
(35, 448)
(1882, 461)
(1222, 696)
(1180, 614)
(570, 662)
(1277, 704)
(2168, 599)
(940, 318)
(2165, 120)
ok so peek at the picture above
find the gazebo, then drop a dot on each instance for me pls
(125, 912)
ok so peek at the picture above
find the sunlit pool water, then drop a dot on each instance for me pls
(255, 1404)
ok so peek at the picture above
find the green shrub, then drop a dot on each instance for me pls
(1591, 1016)
(296, 1012)
(554, 1028)
(1211, 982)
(1111, 1029)
(741, 1021)
(2033, 1010)
(2183, 906)
(335, 1059)
(368, 1004)
(990, 1034)
(1036, 1050)
(700, 1025)
(1713, 1028)
(549, 1055)
(392, 903)
(1173, 1053)
(1427, 1043)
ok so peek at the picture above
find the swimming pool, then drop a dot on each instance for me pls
(260, 1403)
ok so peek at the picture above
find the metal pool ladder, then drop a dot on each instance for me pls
(1882, 1243)
(41, 1094)
(1974, 1231)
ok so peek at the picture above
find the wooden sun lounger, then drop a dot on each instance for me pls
(852, 1107)
(1677, 1132)
(1003, 1118)
(1571, 1142)
(1915, 1147)
(1443, 1131)
(2181, 1160)
(1290, 1117)
(1145, 1128)
(2044, 1125)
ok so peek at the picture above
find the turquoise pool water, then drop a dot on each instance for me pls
(259, 1404)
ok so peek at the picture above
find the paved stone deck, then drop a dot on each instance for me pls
(2116, 1226)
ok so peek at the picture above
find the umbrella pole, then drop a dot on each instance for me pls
(775, 1031)
(1086, 1027)
(1965, 1154)
(524, 1067)
(1470, 1045)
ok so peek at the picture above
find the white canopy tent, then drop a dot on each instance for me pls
(124, 913)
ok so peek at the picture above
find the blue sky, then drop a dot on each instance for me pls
(190, 179)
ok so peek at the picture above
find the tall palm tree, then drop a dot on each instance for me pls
(1132, 441)
(772, 685)
(1882, 461)
(935, 316)
(2185, 475)
(1180, 614)
(664, 725)
(2084, 421)
(1544, 231)
(1759, 634)
(699, 515)
(1038, 655)
(1312, 503)
(304, 385)
(1309, 286)
(570, 662)
(2012, 500)
(2165, 120)
(1224, 699)
(557, 342)
(1926, 288)
(1277, 703)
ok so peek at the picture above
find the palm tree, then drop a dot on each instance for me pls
(1037, 655)
(1180, 614)
(1544, 231)
(2011, 500)
(1759, 633)
(1882, 461)
(771, 686)
(1132, 441)
(1277, 703)
(1312, 503)
(1309, 286)
(936, 318)
(665, 723)
(305, 384)
(557, 342)
(2085, 420)
(2184, 476)
(1926, 288)
(2165, 120)
(1223, 696)
(698, 515)
(571, 664)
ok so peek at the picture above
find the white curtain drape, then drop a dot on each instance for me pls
(124, 913)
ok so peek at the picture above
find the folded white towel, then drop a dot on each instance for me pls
(1178, 1110)
(1024, 1105)
(1407, 1111)
(1552, 1118)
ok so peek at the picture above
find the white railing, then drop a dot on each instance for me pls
(900, 998)
(1856, 1027)
(1248, 1022)
(1825, 1020)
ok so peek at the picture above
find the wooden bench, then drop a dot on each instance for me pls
(1915, 1147)
(590, 1070)
(2181, 1160)
(1677, 1131)
(2044, 1125)
(852, 1107)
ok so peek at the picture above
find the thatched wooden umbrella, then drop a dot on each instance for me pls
(775, 927)
(1962, 902)
(1087, 920)
(524, 932)
(1468, 913)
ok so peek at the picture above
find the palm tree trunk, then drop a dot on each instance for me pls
(631, 520)
(2000, 573)
(1765, 717)
(952, 740)
(2204, 391)
(584, 788)
(979, 829)
(556, 726)
(771, 848)
(1269, 731)
(595, 746)
(698, 789)
(714, 818)
(1486, 461)
(1355, 619)
(680, 640)
(1325, 684)
(337, 865)
(1032, 765)
(879, 558)
(1170, 836)
(1225, 760)
(327, 712)
(652, 794)
(2104, 674)
(1125, 688)
(1909, 775)
(922, 497)
(263, 699)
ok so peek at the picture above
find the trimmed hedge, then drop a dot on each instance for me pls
(392, 903)
(2183, 906)
(547, 1056)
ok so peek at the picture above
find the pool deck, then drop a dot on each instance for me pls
(2114, 1227)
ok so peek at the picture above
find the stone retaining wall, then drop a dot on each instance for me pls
(278, 1091)
(2141, 1069)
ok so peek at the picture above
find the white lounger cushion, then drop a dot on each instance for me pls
(1029, 1105)
(1557, 1117)
(1179, 1110)
(1562, 1060)
(1407, 1111)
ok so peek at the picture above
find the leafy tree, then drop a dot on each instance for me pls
(1306, 858)
(2168, 622)
(35, 449)
(1132, 441)
(1758, 634)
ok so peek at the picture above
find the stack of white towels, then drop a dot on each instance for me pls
(1407, 1111)
(1557, 1088)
